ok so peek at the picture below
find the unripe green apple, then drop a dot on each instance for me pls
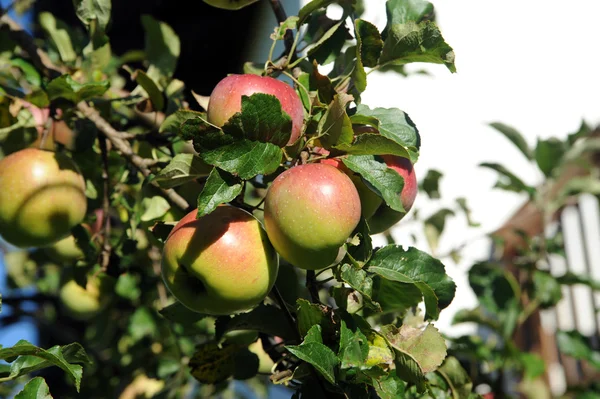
(385, 217)
(310, 211)
(42, 196)
(85, 303)
(222, 263)
(226, 99)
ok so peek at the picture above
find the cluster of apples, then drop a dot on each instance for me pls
(226, 262)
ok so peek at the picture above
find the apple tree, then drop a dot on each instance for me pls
(177, 242)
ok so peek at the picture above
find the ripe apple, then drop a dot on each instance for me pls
(226, 99)
(85, 303)
(221, 263)
(42, 196)
(310, 211)
(385, 217)
(369, 201)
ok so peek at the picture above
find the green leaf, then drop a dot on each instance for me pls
(31, 358)
(390, 386)
(245, 158)
(412, 266)
(66, 87)
(431, 184)
(289, 23)
(462, 203)
(230, 4)
(574, 344)
(162, 47)
(173, 123)
(89, 10)
(127, 286)
(36, 388)
(308, 315)
(212, 364)
(335, 127)
(456, 377)
(508, 181)
(261, 119)
(427, 347)
(373, 144)
(182, 169)
(434, 226)
(353, 348)
(393, 124)
(384, 181)
(264, 318)
(416, 42)
(570, 278)
(177, 313)
(533, 365)
(498, 292)
(59, 33)
(154, 208)
(154, 93)
(310, 9)
(29, 71)
(515, 137)
(403, 11)
(548, 154)
(220, 188)
(318, 355)
(359, 280)
(546, 289)
(246, 365)
(369, 43)
(142, 324)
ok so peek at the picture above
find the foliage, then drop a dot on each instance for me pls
(361, 328)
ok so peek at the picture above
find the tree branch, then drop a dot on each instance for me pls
(105, 236)
(281, 16)
(125, 149)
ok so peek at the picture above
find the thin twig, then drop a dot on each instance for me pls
(105, 236)
(125, 149)
(311, 285)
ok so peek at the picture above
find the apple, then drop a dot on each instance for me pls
(385, 217)
(85, 303)
(58, 130)
(65, 251)
(369, 201)
(310, 211)
(226, 99)
(219, 264)
(42, 197)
